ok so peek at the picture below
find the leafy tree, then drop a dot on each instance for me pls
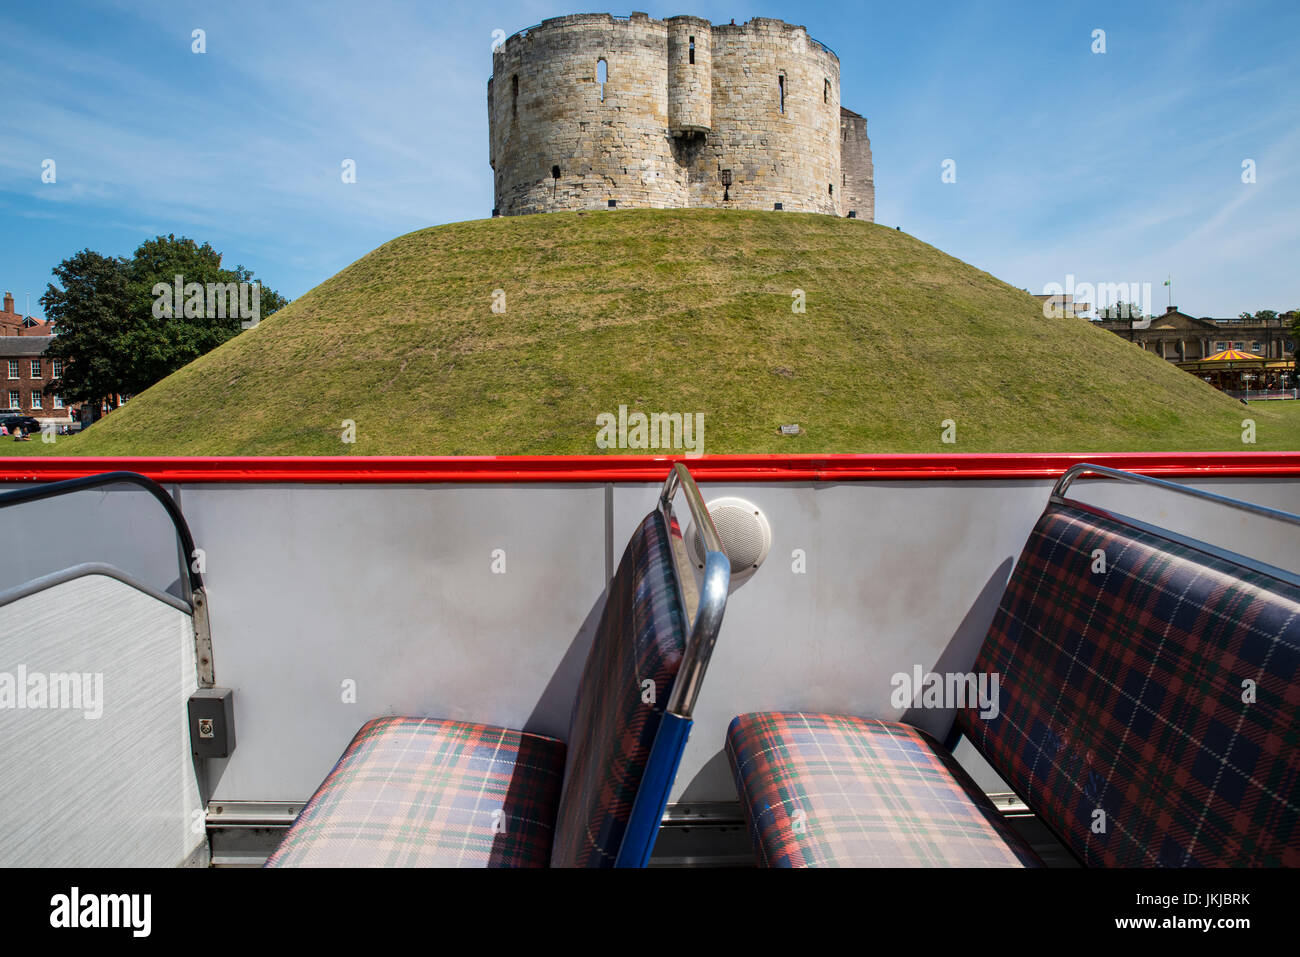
(1120, 310)
(159, 346)
(92, 317)
(110, 334)
(1264, 315)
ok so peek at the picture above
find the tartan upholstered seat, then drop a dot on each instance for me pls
(641, 638)
(425, 792)
(1124, 698)
(824, 791)
(1148, 714)
(418, 792)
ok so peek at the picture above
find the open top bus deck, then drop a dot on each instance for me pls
(188, 654)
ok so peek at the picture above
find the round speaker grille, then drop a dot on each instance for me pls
(745, 533)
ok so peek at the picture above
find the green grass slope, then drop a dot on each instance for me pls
(671, 311)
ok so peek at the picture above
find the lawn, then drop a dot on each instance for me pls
(513, 335)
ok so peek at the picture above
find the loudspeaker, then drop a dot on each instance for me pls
(745, 533)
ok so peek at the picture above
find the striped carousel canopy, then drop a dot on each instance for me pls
(1231, 355)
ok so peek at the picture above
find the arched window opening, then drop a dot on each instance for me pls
(780, 84)
(691, 50)
(514, 95)
(826, 92)
(555, 172)
(830, 189)
(602, 74)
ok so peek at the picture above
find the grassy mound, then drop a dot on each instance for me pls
(678, 311)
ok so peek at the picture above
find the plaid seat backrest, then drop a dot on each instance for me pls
(1149, 704)
(629, 673)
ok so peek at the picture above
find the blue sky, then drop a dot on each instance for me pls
(1117, 167)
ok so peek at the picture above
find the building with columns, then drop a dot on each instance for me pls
(1179, 337)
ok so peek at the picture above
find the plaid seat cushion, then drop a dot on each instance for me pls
(420, 792)
(628, 675)
(835, 791)
(1149, 711)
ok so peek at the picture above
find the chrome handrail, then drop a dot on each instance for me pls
(193, 591)
(1058, 491)
(703, 613)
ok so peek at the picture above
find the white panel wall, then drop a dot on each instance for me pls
(113, 790)
(390, 588)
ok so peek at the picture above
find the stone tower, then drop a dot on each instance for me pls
(591, 111)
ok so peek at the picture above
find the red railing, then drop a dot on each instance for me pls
(645, 468)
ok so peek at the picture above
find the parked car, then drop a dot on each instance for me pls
(24, 422)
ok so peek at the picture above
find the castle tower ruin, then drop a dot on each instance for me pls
(592, 111)
(690, 76)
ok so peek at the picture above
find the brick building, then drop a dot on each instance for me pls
(25, 370)
(14, 323)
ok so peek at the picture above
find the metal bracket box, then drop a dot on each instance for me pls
(212, 722)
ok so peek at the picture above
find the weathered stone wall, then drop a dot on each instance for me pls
(761, 100)
(690, 76)
(616, 148)
(777, 152)
(858, 175)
